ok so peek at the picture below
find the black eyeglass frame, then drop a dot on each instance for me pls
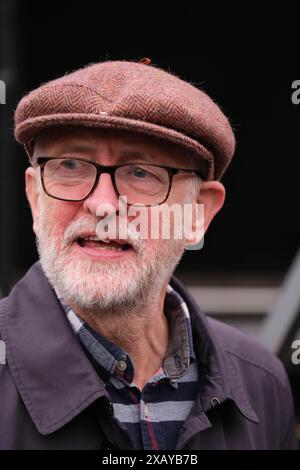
(111, 169)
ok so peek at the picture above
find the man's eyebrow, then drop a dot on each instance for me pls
(126, 155)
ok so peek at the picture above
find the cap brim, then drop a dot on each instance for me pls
(28, 130)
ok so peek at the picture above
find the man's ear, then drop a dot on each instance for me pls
(209, 201)
(212, 195)
(33, 195)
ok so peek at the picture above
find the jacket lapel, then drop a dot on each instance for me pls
(53, 375)
(218, 377)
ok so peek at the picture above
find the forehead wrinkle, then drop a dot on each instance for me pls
(87, 149)
(62, 144)
(70, 147)
(115, 147)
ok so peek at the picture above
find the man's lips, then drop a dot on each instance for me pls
(92, 241)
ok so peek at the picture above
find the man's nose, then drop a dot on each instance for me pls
(103, 194)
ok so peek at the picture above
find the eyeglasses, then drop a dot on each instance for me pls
(74, 179)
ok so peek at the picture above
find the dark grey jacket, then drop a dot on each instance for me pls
(51, 396)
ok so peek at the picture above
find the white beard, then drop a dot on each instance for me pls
(104, 286)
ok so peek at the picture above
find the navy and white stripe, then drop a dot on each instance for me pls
(153, 416)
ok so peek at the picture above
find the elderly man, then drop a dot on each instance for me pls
(102, 348)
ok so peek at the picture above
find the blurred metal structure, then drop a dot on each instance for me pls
(243, 307)
(282, 321)
(8, 67)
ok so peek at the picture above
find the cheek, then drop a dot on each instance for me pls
(162, 249)
(167, 223)
(178, 192)
(58, 214)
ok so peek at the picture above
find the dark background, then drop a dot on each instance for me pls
(247, 63)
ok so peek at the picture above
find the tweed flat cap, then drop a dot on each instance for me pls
(135, 97)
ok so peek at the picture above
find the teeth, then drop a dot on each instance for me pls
(109, 248)
(102, 242)
(96, 239)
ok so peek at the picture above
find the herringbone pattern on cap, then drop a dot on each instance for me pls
(131, 96)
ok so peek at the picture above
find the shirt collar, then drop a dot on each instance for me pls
(115, 361)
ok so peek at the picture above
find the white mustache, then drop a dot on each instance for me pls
(88, 224)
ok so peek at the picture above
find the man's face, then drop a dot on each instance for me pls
(89, 273)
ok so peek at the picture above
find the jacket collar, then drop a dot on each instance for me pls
(220, 381)
(53, 374)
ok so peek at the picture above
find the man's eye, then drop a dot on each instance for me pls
(140, 173)
(69, 164)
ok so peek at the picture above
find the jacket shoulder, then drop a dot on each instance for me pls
(246, 348)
